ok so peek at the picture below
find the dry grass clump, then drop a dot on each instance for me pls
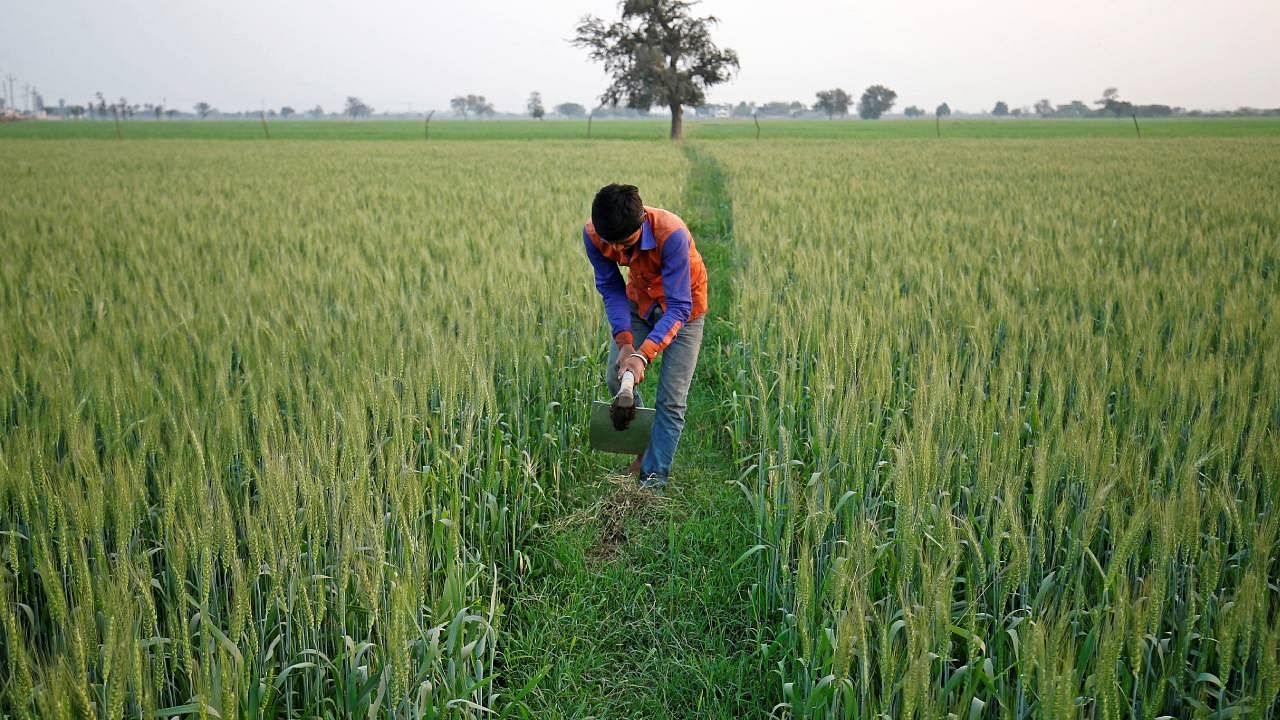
(624, 505)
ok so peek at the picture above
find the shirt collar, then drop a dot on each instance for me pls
(647, 240)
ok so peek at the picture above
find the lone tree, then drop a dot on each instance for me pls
(1044, 108)
(536, 111)
(471, 105)
(1001, 109)
(913, 112)
(478, 105)
(356, 108)
(1109, 96)
(287, 112)
(1111, 103)
(833, 102)
(202, 109)
(657, 54)
(570, 109)
(943, 110)
(876, 101)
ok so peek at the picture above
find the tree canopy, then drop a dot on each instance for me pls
(657, 53)
(1111, 103)
(833, 102)
(471, 105)
(570, 109)
(1075, 108)
(1001, 109)
(534, 106)
(356, 108)
(876, 101)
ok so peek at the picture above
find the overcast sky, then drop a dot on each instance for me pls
(399, 55)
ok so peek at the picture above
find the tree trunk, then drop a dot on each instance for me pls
(677, 122)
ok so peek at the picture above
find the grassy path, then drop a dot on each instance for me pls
(632, 606)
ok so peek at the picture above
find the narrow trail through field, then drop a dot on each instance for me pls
(632, 606)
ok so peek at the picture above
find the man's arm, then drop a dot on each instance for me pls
(675, 286)
(613, 290)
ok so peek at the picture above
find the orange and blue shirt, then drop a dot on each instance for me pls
(664, 268)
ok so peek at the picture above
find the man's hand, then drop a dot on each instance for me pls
(623, 352)
(631, 362)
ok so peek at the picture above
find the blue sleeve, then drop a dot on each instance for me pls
(675, 287)
(612, 289)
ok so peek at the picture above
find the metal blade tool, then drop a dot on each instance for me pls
(619, 426)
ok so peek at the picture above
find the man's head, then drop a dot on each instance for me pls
(617, 212)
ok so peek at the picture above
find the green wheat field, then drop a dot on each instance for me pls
(286, 427)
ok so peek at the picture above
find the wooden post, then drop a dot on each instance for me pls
(589, 116)
(938, 124)
(262, 114)
(1135, 126)
(426, 128)
(115, 113)
(756, 116)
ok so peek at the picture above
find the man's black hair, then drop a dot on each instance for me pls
(617, 211)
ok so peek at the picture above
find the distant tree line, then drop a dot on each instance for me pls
(1110, 105)
(875, 102)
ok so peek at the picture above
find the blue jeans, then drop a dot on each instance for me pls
(675, 366)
